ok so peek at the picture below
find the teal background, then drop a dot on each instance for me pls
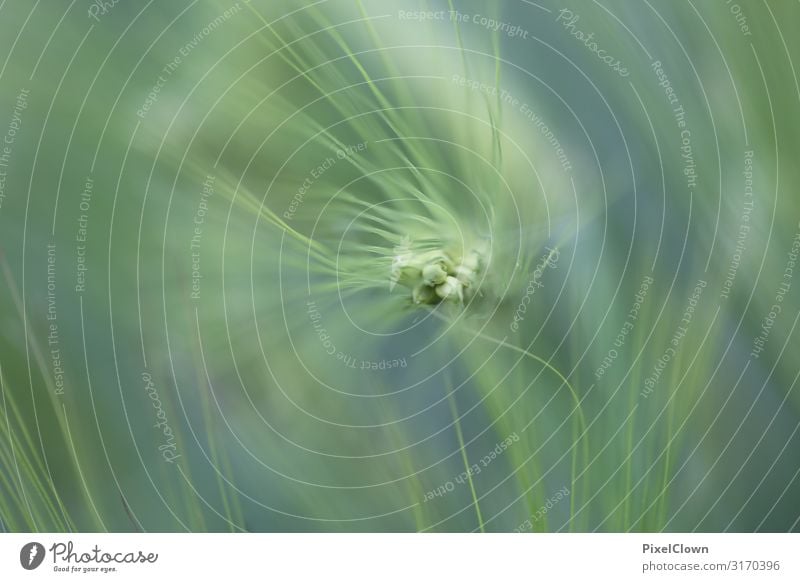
(274, 433)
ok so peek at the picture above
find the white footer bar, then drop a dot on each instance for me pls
(355, 557)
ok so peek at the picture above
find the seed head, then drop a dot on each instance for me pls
(436, 275)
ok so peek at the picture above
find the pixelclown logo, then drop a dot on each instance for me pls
(32, 555)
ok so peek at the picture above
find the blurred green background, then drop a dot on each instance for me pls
(197, 203)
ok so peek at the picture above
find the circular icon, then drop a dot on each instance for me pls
(32, 555)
